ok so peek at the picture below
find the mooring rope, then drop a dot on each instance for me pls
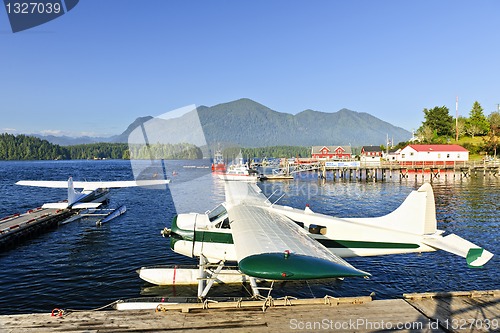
(61, 312)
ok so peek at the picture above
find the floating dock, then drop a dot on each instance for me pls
(475, 311)
(18, 227)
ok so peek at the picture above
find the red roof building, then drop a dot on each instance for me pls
(433, 154)
(331, 152)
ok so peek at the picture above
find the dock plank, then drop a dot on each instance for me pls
(455, 312)
(308, 316)
(428, 312)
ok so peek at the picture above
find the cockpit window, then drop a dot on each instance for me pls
(217, 212)
(224, 224)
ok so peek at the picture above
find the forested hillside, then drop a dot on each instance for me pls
(23, 147)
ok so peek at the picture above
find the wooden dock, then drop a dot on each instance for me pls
(383, 170)
(17, 227)
(476, 311)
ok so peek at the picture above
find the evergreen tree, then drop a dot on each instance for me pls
(439, 120)
(24, 147)
(271, 152)
(477, 124)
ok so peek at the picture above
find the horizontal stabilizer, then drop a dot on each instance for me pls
(85, 205)
(56, 205)
(475, 256)
(64, 205)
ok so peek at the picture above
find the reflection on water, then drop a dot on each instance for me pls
(83, 266)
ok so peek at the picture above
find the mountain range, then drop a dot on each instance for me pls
(249, 124)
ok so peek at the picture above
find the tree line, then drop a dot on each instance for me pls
(24, 147)
(269, 152)
(440, 127)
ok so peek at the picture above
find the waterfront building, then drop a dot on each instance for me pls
(331, 152)
(370, 155)
(432, 154)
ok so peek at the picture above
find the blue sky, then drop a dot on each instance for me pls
(107, 62)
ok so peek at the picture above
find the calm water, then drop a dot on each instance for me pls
(81, 266)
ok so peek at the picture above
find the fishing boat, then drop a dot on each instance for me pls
(239, 170)
(218, 164)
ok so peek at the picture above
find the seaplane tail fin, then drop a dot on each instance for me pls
(73, 195)
(416, 215)
(476, 257)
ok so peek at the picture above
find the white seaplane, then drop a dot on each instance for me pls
(273, 242)
(93, 194)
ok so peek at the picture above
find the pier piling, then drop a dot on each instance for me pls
(384, 170)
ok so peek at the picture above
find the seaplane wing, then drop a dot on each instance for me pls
(89, 186)
(271, 246)
(93, 193)
(44, 183)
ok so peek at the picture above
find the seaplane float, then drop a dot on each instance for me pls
(247, 238)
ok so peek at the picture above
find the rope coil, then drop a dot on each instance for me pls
(57, 312)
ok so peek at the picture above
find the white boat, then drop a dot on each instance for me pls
(239, 172)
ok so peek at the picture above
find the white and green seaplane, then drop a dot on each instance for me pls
(267, 241)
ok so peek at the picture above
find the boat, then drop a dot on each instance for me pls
(240, 173)
(239, 170)
(276, 177)
(218, 164)
(278, 174)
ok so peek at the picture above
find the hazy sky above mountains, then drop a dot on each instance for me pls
(103, 64)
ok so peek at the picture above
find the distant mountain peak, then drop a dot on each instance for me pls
(250, 124)
(246, 103)
(124, 136)
(247, 123)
